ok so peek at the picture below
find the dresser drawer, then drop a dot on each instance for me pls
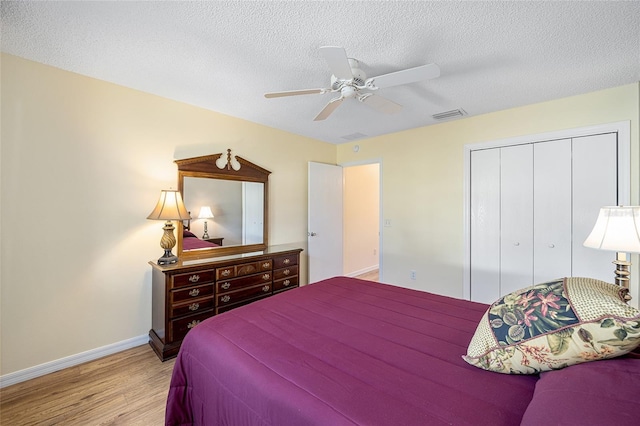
(196, 292)
(239, 283)
(200, 277)
(243, 269)
(191, 307)
(178, 328)
(284, 261)
(244, 294)
(285, 284)
(287, 272)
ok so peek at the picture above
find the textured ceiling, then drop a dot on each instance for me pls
(224, 55)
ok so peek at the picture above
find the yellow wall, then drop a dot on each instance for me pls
(422, 180)
(83, 163)
(361, 218)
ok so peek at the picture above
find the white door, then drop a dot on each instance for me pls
(552, 210)
(594, 185)
(324, 242)
(516, 218)
(549, 197)
(485, 221)
(252, 213)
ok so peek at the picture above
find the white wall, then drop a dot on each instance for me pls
(83, 163)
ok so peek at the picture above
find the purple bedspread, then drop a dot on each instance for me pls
(342, 352)
(194, 243)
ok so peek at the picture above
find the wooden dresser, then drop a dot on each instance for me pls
(186, 293)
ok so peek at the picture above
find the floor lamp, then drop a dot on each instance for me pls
(617, 229)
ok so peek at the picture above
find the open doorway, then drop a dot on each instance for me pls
(361, 227)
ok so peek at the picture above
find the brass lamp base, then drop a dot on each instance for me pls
(622, 272)
(167, 242)
(205, 236)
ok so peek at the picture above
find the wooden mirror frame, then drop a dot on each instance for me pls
(207, 167)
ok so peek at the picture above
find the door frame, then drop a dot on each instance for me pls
(377, 161)
(622, 128)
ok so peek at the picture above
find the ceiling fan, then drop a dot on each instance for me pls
(351, 82)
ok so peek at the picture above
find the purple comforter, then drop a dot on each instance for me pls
(342, 352)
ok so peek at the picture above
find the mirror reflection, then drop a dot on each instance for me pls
(224, 213)
(227, 197)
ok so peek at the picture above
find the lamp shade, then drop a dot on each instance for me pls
(205, 213)
(617, 229)
(169, 207)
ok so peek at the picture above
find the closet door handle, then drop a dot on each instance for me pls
(516, 244)
(552, 245)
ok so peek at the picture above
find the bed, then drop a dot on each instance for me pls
(350, 352)
(191, 242)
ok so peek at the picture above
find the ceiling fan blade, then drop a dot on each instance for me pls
(381, 104)
(329, 108)
(338, 62)
(295, 93)
(410, 75)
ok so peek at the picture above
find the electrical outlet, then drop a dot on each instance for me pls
(412, 274)
(375, 252)
(387, 222)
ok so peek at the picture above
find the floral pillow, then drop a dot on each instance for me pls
(554, 325)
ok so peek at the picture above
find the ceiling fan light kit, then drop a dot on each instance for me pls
(351, 82)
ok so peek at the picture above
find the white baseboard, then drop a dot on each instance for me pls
(70, 361)
(362, 271)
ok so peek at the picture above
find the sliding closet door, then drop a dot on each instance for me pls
(516, 218)
(552, 210)
(485, 225)
(594, 185)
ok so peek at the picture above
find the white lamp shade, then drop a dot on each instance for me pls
(169, 207)
(617, 229)
(205, 213)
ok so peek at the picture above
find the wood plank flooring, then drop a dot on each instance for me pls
(370, 276)
(127, 388)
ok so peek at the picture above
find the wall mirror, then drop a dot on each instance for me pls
(227, 198)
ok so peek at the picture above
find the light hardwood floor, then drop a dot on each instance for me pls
(370, 276)
(127, 388)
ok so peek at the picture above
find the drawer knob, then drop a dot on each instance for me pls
(287, 261)
(225, 298)
(193, 324)
(286, 272)
(265, 288)
(286, 283)
(225, 286)
(194, 278)
(265, 277)
(266, 265)
(194, 306)
(226, 272)
(194, 292)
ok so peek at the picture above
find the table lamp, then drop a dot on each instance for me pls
(170, 207)
(205, 213)
(617, 229)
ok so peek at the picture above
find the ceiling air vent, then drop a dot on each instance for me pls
(354, 136)
(454, 113)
